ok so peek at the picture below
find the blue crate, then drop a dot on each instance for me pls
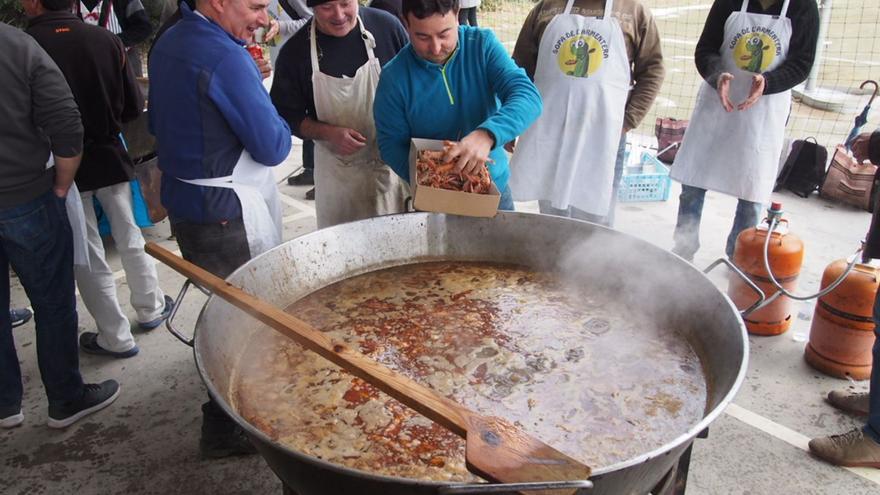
(638, 186)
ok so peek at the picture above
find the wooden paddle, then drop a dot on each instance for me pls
(495, 449)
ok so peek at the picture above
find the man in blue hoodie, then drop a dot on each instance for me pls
(217, 135)
(456, 83)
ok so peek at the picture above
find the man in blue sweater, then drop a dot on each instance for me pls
(456, 83)
(217, 134)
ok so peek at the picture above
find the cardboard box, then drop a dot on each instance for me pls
(426, 198)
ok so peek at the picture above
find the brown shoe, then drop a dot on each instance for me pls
(852, 449)
(851, 402)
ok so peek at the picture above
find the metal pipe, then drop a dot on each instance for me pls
(824, 20)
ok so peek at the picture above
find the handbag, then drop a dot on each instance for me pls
(669, 132)
(849, 181)
(804, 169)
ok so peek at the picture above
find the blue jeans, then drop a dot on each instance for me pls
(608, 221)
(35, 238)
(690, 211)
(872, 429)
(506, 202)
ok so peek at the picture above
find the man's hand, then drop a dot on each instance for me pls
(265, 67)
(271, 31)
(65, 171)
(724, 90)
(344, 141)
(755, 92)
(472, 151)
(860, 146)
(61, 192)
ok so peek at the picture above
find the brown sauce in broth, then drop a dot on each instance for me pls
(590, 377)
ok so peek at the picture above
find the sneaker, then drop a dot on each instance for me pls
(851, 402)
(88, 342)
(310, 194)
(169, 305)
(20, 316)
(11, 416)
(306, 178)
(96, 396)
(852, 449)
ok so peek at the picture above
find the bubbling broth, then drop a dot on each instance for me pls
(570, 366)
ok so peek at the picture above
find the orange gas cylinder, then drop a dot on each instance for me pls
(842, 334)
(785, 254)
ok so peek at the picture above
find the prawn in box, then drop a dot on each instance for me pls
(442, 200)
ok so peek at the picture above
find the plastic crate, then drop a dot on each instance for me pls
(635, 185)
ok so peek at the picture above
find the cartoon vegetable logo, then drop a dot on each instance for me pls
(754, 52)
(580, 56)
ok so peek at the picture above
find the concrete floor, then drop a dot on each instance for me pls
(147, 442)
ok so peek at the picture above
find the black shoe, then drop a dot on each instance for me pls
(306, 178)
(20, 316)
(310, 194)
(96, 396)
(219, 445)
(88, 342)
(221, 437)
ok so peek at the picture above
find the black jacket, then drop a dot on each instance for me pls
(804, 17)
(94, 63)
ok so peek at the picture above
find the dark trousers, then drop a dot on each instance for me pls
(467, 16)
(308, 155)
(873, 426)
(35, 238)
(219, 248)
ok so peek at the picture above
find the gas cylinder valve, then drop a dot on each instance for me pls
(774, 213)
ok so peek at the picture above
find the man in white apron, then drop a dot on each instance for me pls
(735, 136)
(579, 53)
(324, 87)
(217, 136)
(40, 118)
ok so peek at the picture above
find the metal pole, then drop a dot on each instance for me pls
(824, 20)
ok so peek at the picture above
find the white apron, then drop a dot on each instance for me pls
(254, 184)
(357, 186)
(737, 153)
(77, 218)
(583, 74)
(94, 16)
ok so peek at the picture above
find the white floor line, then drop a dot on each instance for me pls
(789, 436)
(297, 216)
